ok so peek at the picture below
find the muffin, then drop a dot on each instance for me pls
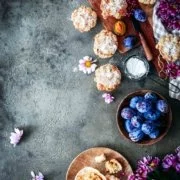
(107, 77)
(84, 18)
(113, 166)
(105, 44)
(168, 47)
(115, 8)
(148, 2)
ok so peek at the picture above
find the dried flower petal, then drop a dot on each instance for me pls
(16, 136)
(108, 98)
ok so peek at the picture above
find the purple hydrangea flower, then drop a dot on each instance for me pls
(16, 136)
(37, 177)
(108, 98)
(169, 161)
(149, 163)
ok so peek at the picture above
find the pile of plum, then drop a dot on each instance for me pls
(143, 117)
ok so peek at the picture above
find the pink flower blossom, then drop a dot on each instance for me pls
(108, 98)
(87, 65)
(145, 166)
(16, 136)
(37, 177)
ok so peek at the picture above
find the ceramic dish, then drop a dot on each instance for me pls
(146, 141)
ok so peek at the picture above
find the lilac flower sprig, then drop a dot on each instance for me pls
(152, 168)
(145, 166)
(16, 136)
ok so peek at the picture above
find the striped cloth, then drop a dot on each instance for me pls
(174, 86)
(159, 31)
(158, 28)
(173, 91)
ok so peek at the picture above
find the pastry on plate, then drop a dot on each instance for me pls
(84, 18)
(115, 8)
(105, 44)
(113, 166)
(149, 2)
(89, 173)
(168, 47)
(101, 158)
(107, 77)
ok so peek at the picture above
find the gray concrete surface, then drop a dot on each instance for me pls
(61, 112)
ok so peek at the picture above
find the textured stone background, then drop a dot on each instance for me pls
(60, 111)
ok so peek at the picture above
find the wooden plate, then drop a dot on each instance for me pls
(87, 157)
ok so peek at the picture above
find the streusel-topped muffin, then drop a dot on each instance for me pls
(107, 77)
(115, 8)
(84, 18)
(147, 1)
(169, 47)
(105, 44)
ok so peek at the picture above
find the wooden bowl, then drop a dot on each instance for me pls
(145, 141)
(86, 158)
